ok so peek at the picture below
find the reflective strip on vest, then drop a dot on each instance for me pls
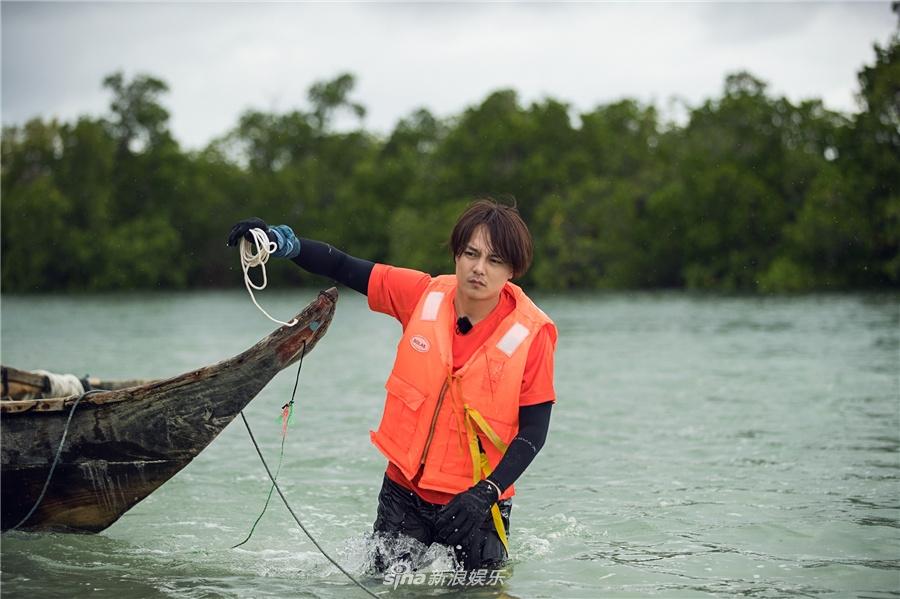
(513, 338)
(432, 305)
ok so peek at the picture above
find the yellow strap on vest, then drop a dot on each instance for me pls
(495, 509)
(480, 462)
(474, 451)
(486, 429)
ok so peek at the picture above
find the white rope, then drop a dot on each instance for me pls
(62, 385)
(250, 259)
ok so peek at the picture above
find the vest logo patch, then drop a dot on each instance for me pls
(420, 344)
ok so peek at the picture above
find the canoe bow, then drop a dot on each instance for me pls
(122, 445)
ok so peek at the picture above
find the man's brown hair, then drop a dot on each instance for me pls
(510, 238)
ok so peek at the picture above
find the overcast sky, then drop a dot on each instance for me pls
(220, 59)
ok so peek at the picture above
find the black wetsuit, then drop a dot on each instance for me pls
(400, 510)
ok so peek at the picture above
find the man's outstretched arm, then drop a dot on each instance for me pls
(322, 259)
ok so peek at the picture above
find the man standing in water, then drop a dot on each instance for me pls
(469, 397)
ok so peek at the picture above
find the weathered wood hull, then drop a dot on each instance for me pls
(122, 445)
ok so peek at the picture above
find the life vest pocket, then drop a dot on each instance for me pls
(505, 430)
(503, 427)
(408, 394)
(402, 409)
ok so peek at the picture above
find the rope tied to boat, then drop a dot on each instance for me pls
(59, 449)
(253, 254)
(62, 385)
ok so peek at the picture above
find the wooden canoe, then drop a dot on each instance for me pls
(123, 443)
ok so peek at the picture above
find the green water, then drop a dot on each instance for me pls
(701, 446)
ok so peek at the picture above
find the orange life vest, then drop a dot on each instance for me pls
(438, 418)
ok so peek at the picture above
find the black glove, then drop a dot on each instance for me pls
(242, 229)
(465, 512)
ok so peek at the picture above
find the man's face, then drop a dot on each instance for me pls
(481, 274)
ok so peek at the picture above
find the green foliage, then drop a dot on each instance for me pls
(751, 193)
(144, 253)
(870, 157)
(328, 96)
(422, 238)
(566, 242)
(138, 118)
(37, 245)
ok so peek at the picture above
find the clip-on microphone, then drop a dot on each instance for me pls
(463, 325)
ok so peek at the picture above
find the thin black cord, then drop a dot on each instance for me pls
(55, 462)
(277, 488)
(296, 519)
(290, 406)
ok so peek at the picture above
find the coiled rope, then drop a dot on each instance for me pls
(62, 385)
(253, 254)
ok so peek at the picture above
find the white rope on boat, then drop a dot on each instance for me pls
(250, 259)
(62, 385)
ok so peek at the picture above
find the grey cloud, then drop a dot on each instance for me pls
(753, 22)
(221, 59)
